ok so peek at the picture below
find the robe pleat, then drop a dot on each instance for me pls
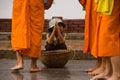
(107, 36)
(27, 26)
(90, 25)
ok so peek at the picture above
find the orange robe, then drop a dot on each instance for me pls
(27, 26)
(90, 24)
(107, 36)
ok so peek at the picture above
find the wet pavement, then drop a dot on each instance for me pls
(73, 70)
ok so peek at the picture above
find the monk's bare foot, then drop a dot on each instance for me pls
(101, 76)
(17, 67)
(98, 64)
(36, 69)
(93, 68)
(114, 78)
(90, 69)
(97, 71)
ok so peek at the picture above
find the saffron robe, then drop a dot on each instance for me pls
(27, 26)
(107, 36)
(90, 24)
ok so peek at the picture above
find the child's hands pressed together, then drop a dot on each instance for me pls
(56, 26)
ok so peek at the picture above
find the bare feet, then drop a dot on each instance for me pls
(20, 63)
(36, 69)
(17, 67)
(114, 78)
(101, 76)
(93, 68)
(105, 71)
(89, 70)
(98, 64)
(97, 71)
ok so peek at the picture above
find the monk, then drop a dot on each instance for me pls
(27, 28)
(104, 62)
(107, 40)
(90, 29)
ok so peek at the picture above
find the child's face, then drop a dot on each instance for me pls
(61, 28)
(61, 25)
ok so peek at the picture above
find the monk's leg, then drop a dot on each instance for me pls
(20, 64)
(107, 71)
(34, 67)
(99, 61)
(100, 69)
(116, 68)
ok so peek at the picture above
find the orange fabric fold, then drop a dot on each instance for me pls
(90, 25)
(107, 36)
(27, 26)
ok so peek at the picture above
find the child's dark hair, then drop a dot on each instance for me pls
(50, 30)
(61, 24)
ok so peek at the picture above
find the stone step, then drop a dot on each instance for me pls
(74, 41)
(75, 45)
(74, 55)
(5, 35)
(69, 36)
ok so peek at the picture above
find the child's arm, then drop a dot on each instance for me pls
(60, 37)
(51, 38)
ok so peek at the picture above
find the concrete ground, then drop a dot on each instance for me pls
(74, 70)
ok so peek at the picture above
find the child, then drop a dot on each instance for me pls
(55, 38)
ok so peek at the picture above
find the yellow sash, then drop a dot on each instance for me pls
(105, 6)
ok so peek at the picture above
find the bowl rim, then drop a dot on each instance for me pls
(55, 52)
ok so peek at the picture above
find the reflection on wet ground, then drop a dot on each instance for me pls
(72, 71)
(17, 76)
(44, 75)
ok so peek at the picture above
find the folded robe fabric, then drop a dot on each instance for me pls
(102, 32)
(107, 36)
(27, 26)
(90, 24)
